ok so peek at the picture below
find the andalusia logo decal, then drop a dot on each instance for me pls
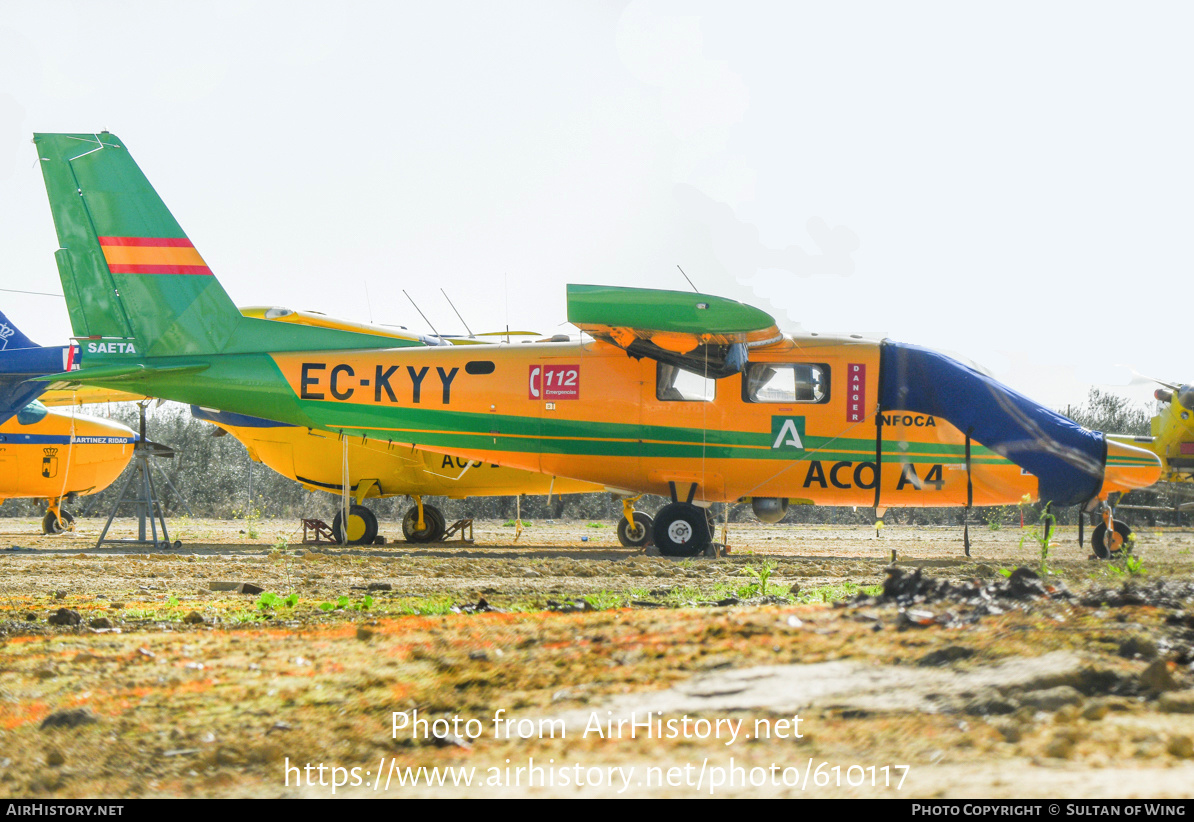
(787, 432)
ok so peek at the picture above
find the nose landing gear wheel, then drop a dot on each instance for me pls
(637, 535)
(362, 526)
(1106, 543)
(54, 524)
(681, 530)
(433, 522)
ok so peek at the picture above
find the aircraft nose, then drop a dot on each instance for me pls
(1128, 467)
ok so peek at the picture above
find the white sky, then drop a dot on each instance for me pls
(1011, 182)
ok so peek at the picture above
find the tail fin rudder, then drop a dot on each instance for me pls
(130, 274)
(127, 267)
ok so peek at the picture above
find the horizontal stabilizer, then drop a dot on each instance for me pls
(115, 373)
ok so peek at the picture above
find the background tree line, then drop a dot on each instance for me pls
(213, 476)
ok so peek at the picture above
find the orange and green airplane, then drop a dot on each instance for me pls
(688, 395)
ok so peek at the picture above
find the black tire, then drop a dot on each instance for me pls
(362, 526)
(433, 522)
(51, 524)
(1104, 544)
(681, 530)
(441, 522)
(638, 535)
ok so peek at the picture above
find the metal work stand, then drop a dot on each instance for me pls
(143, 496)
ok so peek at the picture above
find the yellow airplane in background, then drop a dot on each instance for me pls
(1173, 434)
(1172, 440)
(47, 454)
(56, 457)
(319, 460)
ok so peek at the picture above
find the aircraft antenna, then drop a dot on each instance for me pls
(368, 303)
(421, 314)
(506, 289)
(466, 328)
(694, 288)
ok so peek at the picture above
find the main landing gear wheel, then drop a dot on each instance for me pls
(681, 530)
(1106, 543)
(54, 524)
(637, 535)
(433, 522)
(362, 526)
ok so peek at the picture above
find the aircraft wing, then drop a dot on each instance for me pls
(314, 319)
(698, 332)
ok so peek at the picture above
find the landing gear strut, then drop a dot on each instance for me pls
(637, 535)
(362, 526)
(57, 519)
(634, 528)
(423, 523)
(1109, 536)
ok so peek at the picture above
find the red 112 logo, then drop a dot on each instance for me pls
(554, 382)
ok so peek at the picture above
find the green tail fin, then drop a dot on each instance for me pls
(130, 274)
(128, 269)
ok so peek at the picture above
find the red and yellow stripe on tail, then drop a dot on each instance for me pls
(152, 255)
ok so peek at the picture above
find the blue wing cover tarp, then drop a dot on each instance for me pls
(20, 359)
(16, 369)
(1066, 458)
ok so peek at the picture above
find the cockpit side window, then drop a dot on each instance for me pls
(786, 382)
(675, 384)
(31, 413)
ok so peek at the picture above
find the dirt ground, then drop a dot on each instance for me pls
(561, 664)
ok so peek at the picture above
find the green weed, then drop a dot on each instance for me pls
(250, 515)
(1043, 537)
(761, 574)
(1128, 563)
(834, 593)
(344, 603)
(683, 597)
(420, 606)
(996, 516)
(605, 600)
(139, 613)
(270, 600)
